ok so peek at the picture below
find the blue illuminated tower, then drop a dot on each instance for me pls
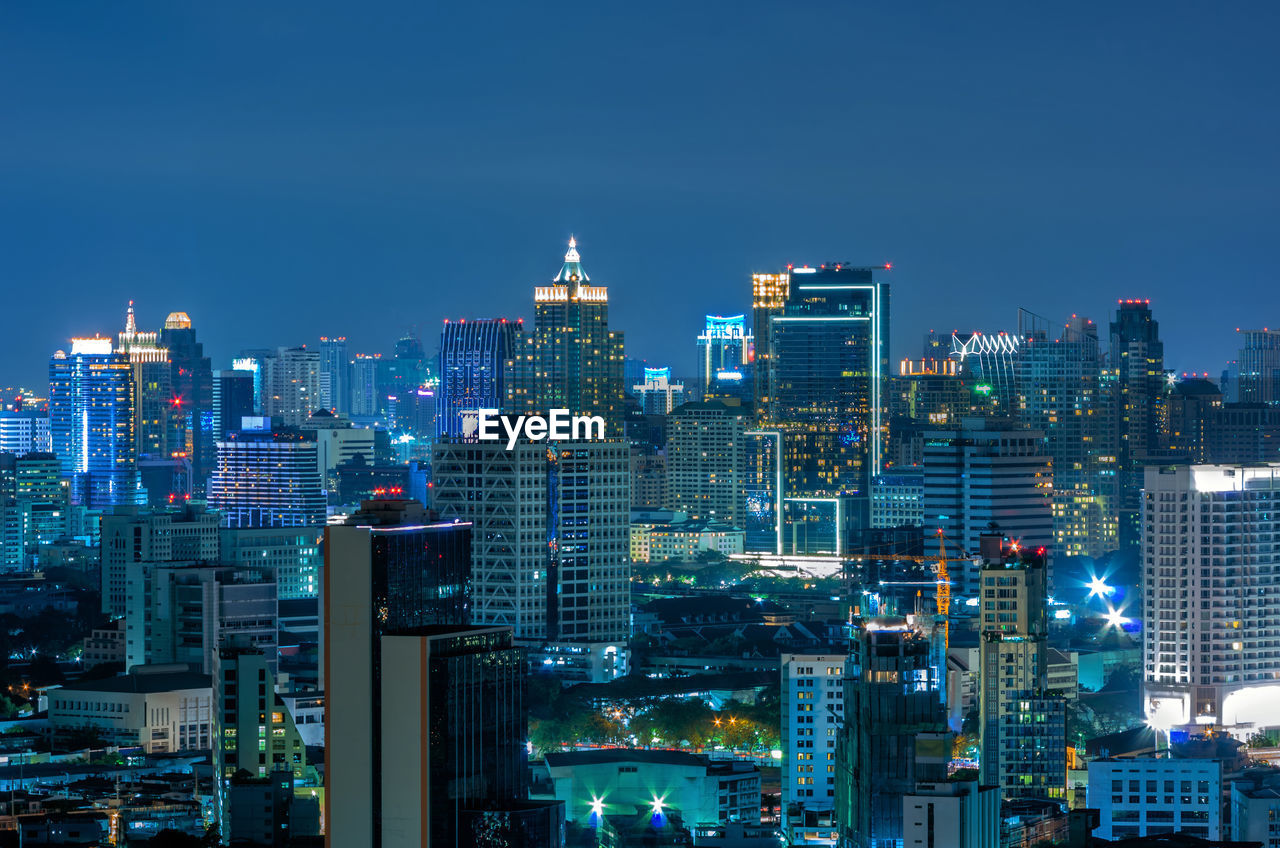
(91, 419)
(724, 355)
(473, 356)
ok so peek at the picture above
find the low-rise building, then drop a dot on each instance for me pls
(1255, 807)
(1149, 796)
(159, 708)
(683, 540)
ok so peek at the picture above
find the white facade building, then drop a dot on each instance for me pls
(160, 708)
(1146, 796)
(812, 709)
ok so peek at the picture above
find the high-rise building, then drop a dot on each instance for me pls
(291, 385)
(1243, 433)
(335, 373)
(550, 554)
(1059, 393)
(91, 420)
(724, 352)
(473, 358)
(1147, 796)
(365, 399)
(769, 295)
(705, 462)
(897, 499)
(982, 473)
(154, 410)
(192, 402)
(268, 478)
(232, 400)
(131, 534)
(658, 394)
(1137, 358)
(763, 490)
(1189, 413)
(1210, 596)
(828, 348)
(41, 498)
(989, 364)
(1258, 365)
(1022, 722)
(393, 568)
(893, 712)
(648, 477)
(812, 712)
(571, 360)
(291, 554)
(24, 431)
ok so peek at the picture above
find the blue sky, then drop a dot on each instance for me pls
(282, 171)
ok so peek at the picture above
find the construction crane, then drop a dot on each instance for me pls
(941, 583)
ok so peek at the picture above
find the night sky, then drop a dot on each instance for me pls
(282, 171)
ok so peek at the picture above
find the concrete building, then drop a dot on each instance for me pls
(951, 814)
(1146, 796)
(1255, 808)
(683, 541)
(142, 535)
(337, 442)
(897, 498)
(705, 461)
(812, 712)
(291, 387)
(160, 708)
(291, 554)
(1211, 597)
(658, 394)
(24, 432)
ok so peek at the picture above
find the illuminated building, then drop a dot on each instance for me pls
(724, 350)
(291, 554)
(335, 374)
(681, 540)
(291, 385)
(1137, 357)
(762, 491)
(1149, 796)
(1211, 597)
(162, 709)
(1060, 393)
(928, 390)
(41, 498)
(135, 534)
(473, 358)
(1022, 722)
(658, 394)
(192, 382)
(985, 472)
(91, 421)
(812, 712)
(894, 717)
(705, 462)
(897, 498)
(1258, 367)
(769, 293)
(1188, 418)
(989, 364)
(365, 399)
(25, 432)
(571, 360)
(232, 400)
(337, 442)
(827, 359)
(551, 551)
(154, 409)
(268, 479)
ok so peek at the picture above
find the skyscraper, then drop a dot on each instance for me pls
(1023, 723)
(571, 360)
(24, 431)
(724, 352)
(658, 394)
(705, 462)
(91, 419)
(812, 712)
(268, 478)
(132, 535)
(232, 400)
(366, 402)
(192, 402)
(473, 359)
(1137, 358)
(335, 373)
(1258, 379)
(155, 412)
(291, 385)
(1211, 596)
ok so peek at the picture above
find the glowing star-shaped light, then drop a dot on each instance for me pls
(597, 807)
(1099, 588)
(1115, 619)
(657, 806)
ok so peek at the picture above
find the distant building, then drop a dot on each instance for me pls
(25, 432)
(725, 352)
(268, 479)
(1136, 356)
(291, 388)
(161, 709)
(335, 374)
(658, 394)
(1146, 796)
(897, 498)
(683, 541)
(1259, 367)
(705, 462)
(232, 401)
(192, 381)
(137, 535)
(473, 358)
(291, 554)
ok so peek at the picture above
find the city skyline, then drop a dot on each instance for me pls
(225, 182)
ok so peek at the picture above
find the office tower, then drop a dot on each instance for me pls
(1189, 414)
(25, 431)
(929, 390)
(154, 409)
(134, 534)
(989, 364)
(705, 462)
(658, 394)
(762, 491)
(409, 364)
(335, 373)
(897, 499)
(337, 442)
(232, 400)
(724, 352)
(1149, 796)
(1258, 367)
(812, 712)
(268, 478)
(291, 385)
(769, 294)
(571, 360)
(550, 556)
(365, 401)
(291, 554)
(1023, 723)
(192, 382)
(893, 701)
(828, 347)
(1243, 432)
(473, 358)
(1137, 358)
(1210, 596)
(1059, 393)
(184, 612)
(41, 497)
(393, 568)
(987, 472)
(11, 543)
(91, 422)
(257, 750)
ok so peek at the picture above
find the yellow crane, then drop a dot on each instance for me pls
(942, 583)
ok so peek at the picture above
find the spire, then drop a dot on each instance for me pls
(130, 325)
(572, 271)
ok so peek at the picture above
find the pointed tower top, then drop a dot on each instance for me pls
(572, 271)
(130, 325)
